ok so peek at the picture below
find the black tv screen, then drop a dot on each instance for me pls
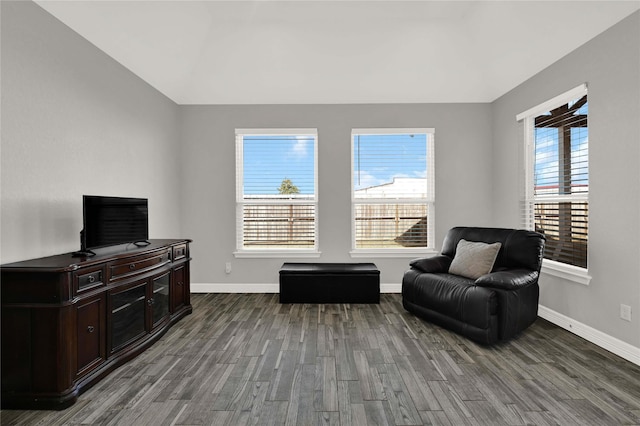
(114, 220)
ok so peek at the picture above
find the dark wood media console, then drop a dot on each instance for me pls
(67, 321)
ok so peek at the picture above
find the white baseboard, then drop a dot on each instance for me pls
(264, 288)
(234, 288)
(391, 288)
(613, 345)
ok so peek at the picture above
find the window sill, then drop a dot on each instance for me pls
(567, 272)
(275, 254)
(402, 253)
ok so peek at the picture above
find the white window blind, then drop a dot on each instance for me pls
(392, 189)
(276, 189)
(557, 193)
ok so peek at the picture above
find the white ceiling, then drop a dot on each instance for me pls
(302, 52)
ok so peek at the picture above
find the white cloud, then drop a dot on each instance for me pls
(301, 148)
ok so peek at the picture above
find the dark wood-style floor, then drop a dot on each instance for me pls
(246, 359)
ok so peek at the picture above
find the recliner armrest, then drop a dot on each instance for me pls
(508, 280)
(433, 264)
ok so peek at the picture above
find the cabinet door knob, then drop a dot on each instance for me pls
(179, 283)
(132, 266)
(91, 329)
(150, 302)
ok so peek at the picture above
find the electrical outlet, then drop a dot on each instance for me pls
(227, 267)
(625, 312)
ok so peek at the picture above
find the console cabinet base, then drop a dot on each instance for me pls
(67, 322)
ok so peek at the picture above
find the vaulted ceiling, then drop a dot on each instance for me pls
(275, 52)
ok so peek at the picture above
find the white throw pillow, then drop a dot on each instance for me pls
(474, 259)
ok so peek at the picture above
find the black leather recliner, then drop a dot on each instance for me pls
(492, 308)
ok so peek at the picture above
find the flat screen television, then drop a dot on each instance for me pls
(111, 221)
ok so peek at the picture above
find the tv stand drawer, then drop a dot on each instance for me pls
(137, 265)
(179, 252)
(88, 279)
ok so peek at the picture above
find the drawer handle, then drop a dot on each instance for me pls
(91, 278)
(132, 266)
(91, 329)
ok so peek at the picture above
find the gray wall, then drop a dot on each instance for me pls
(76, 122)
(610, 64)
(463, 176)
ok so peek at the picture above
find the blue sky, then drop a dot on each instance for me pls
(267, 160)
(547, 159)
(378, 159)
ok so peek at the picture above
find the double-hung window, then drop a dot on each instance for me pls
(276, 191)
(557, 183)
(392, 191)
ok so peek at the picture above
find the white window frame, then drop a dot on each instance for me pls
(569, 272)
(430, 201)
(243, 252)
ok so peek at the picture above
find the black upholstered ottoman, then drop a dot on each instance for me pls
(329, 283)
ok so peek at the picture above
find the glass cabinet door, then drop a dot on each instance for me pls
(128, 315)
(178, 290)
(160, 298)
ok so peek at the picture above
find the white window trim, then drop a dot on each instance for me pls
(242, 252)
(558, 269)
(566, 271)
(276, 254)
(555, 102)
(408, 252)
